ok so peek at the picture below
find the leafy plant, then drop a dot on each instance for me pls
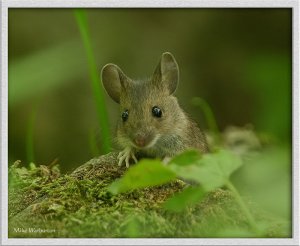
(208, 172)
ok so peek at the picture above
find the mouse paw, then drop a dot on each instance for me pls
(126, 155)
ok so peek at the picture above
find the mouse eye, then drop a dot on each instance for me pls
(125, 115)
(156, 112)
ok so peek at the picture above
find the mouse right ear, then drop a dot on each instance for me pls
(166, 74)
(113, 78)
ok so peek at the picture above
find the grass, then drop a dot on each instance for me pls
(82, 23)
(209, 117)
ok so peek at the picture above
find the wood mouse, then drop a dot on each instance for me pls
(151, 123)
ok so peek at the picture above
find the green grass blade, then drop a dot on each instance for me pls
(82, 23)
(209, 116)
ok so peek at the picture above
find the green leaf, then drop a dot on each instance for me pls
(144, 174)
(211, 171)
(186, 158)
(115, 187)
(189, 197)
(188, 172)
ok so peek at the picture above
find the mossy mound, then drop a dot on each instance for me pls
(44, 203)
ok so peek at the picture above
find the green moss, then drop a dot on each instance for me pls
(79, 205)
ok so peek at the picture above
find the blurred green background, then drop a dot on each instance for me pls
(238, 60)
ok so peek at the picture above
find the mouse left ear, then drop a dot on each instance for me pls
(113, 79)
(167, 73)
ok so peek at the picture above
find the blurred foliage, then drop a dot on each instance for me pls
(262, 72)
(42, 71)
(232, 58)
(267, 178)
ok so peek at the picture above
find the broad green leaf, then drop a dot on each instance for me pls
(115, 187)
(188, 172)
(212, 170)
(186, 158)
(189, 197)
(144, 174)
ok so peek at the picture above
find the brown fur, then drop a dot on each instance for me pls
(174, 132)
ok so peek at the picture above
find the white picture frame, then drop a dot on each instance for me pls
(5, 5)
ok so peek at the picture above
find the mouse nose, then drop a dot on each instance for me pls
(140, 141)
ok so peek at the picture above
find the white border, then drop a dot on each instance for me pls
(4, 121)
(150, 3)
(5, 4)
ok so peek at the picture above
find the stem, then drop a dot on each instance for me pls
(209, 116)
(98, 92)
(243, 206)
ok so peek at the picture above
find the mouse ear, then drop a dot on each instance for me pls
(167, 72)
(113, 78)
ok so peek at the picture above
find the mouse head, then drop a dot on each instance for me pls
(165, 77)
(147, 108)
